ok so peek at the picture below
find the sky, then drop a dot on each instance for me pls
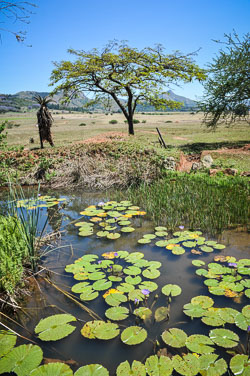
(56, 25)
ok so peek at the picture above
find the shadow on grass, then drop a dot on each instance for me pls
(198, 147)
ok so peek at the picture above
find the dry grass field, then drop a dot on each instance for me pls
(177, 128)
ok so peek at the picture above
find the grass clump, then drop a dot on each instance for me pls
(197, 201)
(13, 252)
(113, 121)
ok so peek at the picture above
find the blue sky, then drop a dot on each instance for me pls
(84, 24)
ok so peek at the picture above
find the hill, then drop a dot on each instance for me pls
(24, 100)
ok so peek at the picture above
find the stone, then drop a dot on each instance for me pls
(169, 163)
(196, 166)
(207, 161)
(213, 171)
(230, 171)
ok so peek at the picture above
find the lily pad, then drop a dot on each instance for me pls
(117, 313)
(101, 285)
(241, 321)
(149, 285)
(143, 312)
(96, 276)
(216, 368)
(100, 330)
(200, 344)
(188, 365)
(55, 327)
(161, 366)
(133, 335)
(206, 249)
(161, 314)
(198, 263)
(52, 369)
(132, 270)
(177, 250)
(127, 229)
(170, 289)
(160, 228)
(79, 287)
(174, 337)
(7, 342)
(136, 369)
(161, 243)
(124, 223)
(144, 241)
(136, 294)
(21, 360)
(102, 234)
(203, 301)
(114, 278)
(161, 234)
(151, 273)
(240, 365)
(193, 310)
(89, 295)
(113, 236)
(149, 236)
(224, 338)
(134, 256)
(125, 287)
(133, 280)
(212, 318)
(115, 299)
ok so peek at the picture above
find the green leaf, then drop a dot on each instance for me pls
(7, 342)
(96, 276)
(117, 313)
(124, 223)
(217, 368)
(224, 337)
(154, 264)
(216, 290)
(122, 254)
(149, 236)
(21, 360)
(228, 314)
(161, 243)
(160, 228)
(89, 295)
(127, 229)
(79, 287)
(187, 366)
(241, 321)
(52, 369)
(144, 241)
(55, 327)
(137, 369)
(206, 360)
(161, 366)
(246, 311)
(134, 256)
(143, 312)
(136, 294)
(193, 310)
(113, 236)
(100, 330)
(92, 370)
(132, 270)
(161, 234)
(151, 273)
(114, 278)
(206, 249)
(203, 301)
(240, 365)
(115, 299)
(169, 289)
(125, 287)
(212, 318)
(133, 335)
(161, 313)
(199, 343)
(198, 263)
(211, 282)
(102, 234)
(174, 337)
(189, 244)
(101, 285)
(177, 250)
(149, 285)
(133, 280)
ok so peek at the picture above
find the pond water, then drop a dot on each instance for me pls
(46, 300)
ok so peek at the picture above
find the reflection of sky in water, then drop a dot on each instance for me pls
(174, 269)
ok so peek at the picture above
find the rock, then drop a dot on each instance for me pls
(169, 163)
(196, 166)
(213, 171)
(207, 161)
(245, 173)
(230, 171)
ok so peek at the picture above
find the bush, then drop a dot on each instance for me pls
(113, 121)
(82, 125)
(144, 121)
(136, 121)
(3, 135)
(168, 121)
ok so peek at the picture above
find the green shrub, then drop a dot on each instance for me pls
(144, 121)
(136, 121)
(3, 135)
(82, 125)
(168, 121)
(113, 121)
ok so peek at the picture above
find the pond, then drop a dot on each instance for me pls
(180, 261)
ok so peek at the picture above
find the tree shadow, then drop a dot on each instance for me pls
(198, 147)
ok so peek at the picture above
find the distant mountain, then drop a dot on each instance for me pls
(24, 100)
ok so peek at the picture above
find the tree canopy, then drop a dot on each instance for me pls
(127, 75)
(227, 91)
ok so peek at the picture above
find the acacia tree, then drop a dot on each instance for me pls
(227, 91)
(125, 74)
(17, 11)
(44, 120)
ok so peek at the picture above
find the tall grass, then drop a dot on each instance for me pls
(197, 201)
(28, 224)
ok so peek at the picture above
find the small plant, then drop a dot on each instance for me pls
(82, 124)
(168, 121)
(113, 121)
(144, 121)
(136, 121)
(3, 136)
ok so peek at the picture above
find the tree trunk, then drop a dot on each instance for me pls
(40, 135)
(130, 125)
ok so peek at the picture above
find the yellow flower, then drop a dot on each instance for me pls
(109, 255)
(102, 215)
(170, 246)
(111, 291)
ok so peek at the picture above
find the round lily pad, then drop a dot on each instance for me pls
(149, 236)
(96, 276)
(161, 243)
(240, 365)
(92, 370)
(114, 278)
(174, 337)
(136, 295)
(7, 342)
(170, 289)
(55, 369)
(115, 299)
(144, 241)
(212, 318)
(241, 321)
(203, 301)
(186, 366)
(200, 344)
(124, 223)
(161, 314)
(206, 249)
(149, 285)
(161, 366)
(143, 312)
(160, 228)
(224, 338)
(136, 369)
(198, 263)
(134, 256)
(132, 270)
(100, 329)
(133, 280)
(125, 287)
(101, 285)
(161, 234)
(117, 313)
(102, 234)
(127, 229)
(246, 311)
(87, 295)
(193, 310)
(177, 250)
(113, 236)
(79, 287)
(151, 273)
(133, 335)
(55, 327)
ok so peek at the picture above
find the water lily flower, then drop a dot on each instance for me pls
(116, 254)
(137, 301)
(248, 329)
(101, 203)
(181, 227)
(232, 264)
(99, 261)
(145, 291)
